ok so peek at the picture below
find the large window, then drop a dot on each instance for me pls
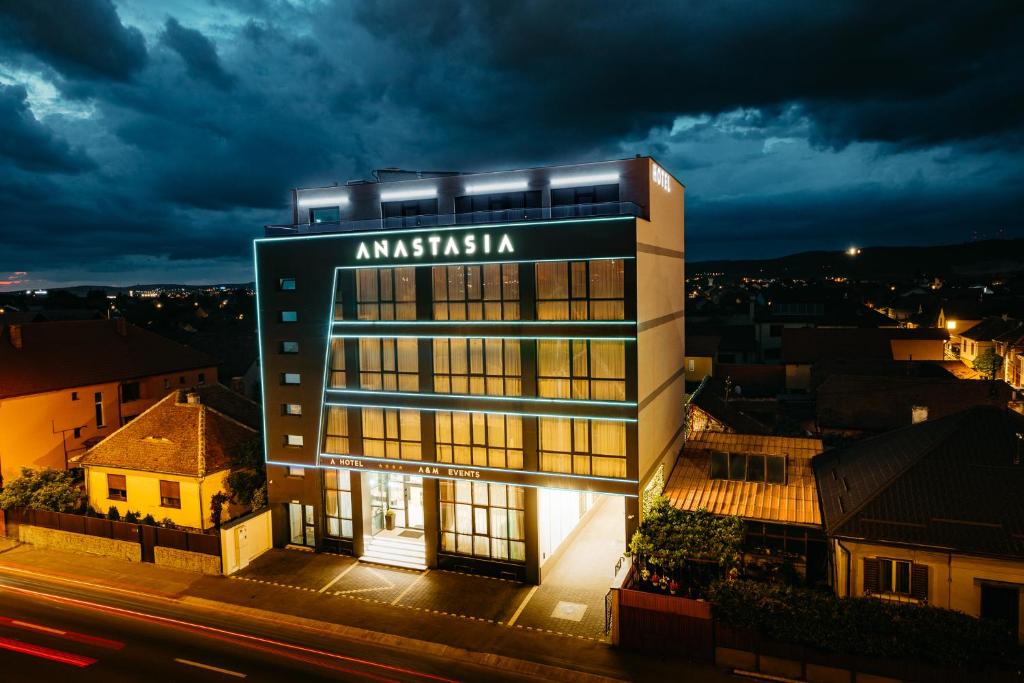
(581, 369)
(583, 446)
(477, 366)
(97, 398)
(389, 364)
(489, 292)
(484, 440)
(751, 467)
(386, 293)
(130, 391)
(336, 380)
(391, 433)
(338, 502)
(483, 520)
(580, 290)
(336, 430)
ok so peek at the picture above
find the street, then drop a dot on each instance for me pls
(50, 631)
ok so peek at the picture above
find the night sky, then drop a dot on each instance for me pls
(150, 141)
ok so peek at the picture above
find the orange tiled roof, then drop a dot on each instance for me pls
(173, 437)
(796, 502)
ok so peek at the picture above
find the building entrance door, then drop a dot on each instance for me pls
(402, 495)
(301, 526)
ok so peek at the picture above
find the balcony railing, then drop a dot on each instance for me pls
(475, 217)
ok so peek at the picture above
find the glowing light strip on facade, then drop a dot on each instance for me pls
(528, 399)
(325, 200)
(399, 264)
(501, 186)
(327, 364)
(349, 404)
(472, 336)
(259, 339)
(401, 195)
(460, 323)
(579, 180)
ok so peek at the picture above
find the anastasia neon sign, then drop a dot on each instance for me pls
(434, 245)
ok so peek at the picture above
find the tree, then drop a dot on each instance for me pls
(46, 489)
(248, 472)
(988, 363)
(217, 503)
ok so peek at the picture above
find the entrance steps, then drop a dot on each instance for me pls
(394, 551)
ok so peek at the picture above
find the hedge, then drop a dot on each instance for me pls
(862, 626)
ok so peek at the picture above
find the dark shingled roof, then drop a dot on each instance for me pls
(60, 355)
(810, 344)
(991, 328)
(877, 404)
(175, 437)
(710, 397)
(952, 483)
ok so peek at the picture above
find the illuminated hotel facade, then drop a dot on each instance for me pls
(457, 366)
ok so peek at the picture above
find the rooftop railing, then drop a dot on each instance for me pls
(470, 218)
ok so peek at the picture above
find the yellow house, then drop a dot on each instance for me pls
(931, 513)
(66, 385)
(174, 458)
(701, 351)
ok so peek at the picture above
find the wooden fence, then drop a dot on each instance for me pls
(145, 535)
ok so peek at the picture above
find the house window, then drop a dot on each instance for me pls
(202, 378)
(890, 578)
(291, 378)
(167, 383)
(390, 433)
(74, 395)
(170, 494)
(336, 430)
(292, 409)
(582, 446)
(581, 290)
(325, 214)
(293, 440)
(483, 439)
(286, 284)
(117, 489)
(337, 377)
(338, 502)
(130, 392)
(489, 292)
(289, 347)
(386, 364)
(581, 369)
(755, 468)
(98, 398)
(386, 293)
(289, 316)
(78, 432)
(296, 471)
(477, 366)
(690, 365)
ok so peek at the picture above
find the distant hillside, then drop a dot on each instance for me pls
(83, 290)
(988, 258)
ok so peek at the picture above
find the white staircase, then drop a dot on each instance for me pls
(395, 551)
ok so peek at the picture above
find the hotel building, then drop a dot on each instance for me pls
(456, 367)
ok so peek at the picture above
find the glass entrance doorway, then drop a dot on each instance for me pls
(302, 530)
(396, 502)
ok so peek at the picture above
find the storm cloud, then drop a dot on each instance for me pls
(160, 137)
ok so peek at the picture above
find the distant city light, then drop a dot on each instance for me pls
(950, 324)
(852, 251)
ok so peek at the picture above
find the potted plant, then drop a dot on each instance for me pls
(673, 586)
(389, 519)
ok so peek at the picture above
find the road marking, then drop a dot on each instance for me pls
(522, 606)
(219, 670)
(46, 653)
(409, 587)
(336, 578)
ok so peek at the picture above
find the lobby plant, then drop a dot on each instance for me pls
(389, 519)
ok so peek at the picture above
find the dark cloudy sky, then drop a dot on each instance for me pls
(149, 141)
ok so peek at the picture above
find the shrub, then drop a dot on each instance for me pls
(861, 626)
(113, 514)
(149, 520)
(168, 523)
(131, 517)
(45, 489)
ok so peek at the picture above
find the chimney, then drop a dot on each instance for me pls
(192, 398)
(122, 326)
(16, 336)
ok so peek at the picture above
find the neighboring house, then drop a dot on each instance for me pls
(172, 459)
(701, 354)
(797, 312)
(1011, 347)
(766, 481)
(857, 405)
(983, 336)
(710, 410)
(736, 343)
(802, 348)
(931, 513)
(66, 385)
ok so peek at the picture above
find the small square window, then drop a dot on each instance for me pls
(291, 378)
(296, 471)
(117, 488)
(286, 284)
(170, 494)
(289, 347)
(167, 383)
(292, 409)
(293, 440)
(78, 432)
(776, 469)
(202, 378)
(74, 395)
(719, 465)
(289, 316)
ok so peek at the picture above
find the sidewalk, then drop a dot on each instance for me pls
(355, 616)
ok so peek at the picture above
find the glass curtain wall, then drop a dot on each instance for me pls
(483, 520)
(338, 502)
